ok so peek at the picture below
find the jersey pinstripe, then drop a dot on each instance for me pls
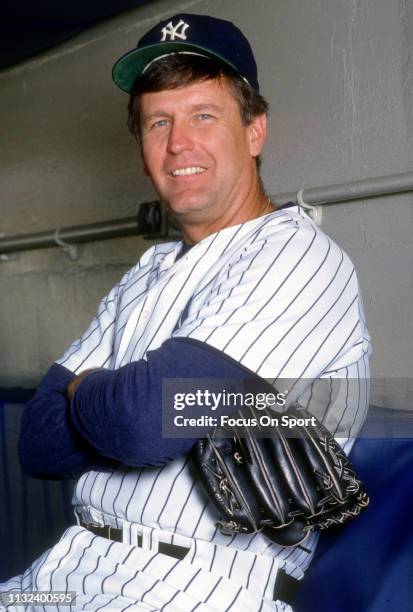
(281, 298)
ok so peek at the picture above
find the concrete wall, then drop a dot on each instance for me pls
(338, 77)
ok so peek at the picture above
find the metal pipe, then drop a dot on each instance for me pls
(356, 190)
(71, 235)
(330, 194)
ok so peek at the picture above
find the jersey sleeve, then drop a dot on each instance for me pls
(95, 348)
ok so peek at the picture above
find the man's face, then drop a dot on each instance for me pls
(198, 153)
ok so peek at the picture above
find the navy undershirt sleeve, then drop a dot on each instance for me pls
(49, 445)
(115, 416)
(119, 412)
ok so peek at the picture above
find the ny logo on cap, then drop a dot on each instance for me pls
(173, 32)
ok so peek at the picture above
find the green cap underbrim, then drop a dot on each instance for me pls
(131, 65)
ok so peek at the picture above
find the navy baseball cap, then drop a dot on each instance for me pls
(198, 34)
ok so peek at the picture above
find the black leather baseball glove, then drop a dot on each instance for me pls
(297, 481)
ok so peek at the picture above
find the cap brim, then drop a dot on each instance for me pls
(132, 64)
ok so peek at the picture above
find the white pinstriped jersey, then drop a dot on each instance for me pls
(281, 298)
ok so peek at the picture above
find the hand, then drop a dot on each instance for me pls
(75, 382)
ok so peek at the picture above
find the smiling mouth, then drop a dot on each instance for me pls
(191, 170)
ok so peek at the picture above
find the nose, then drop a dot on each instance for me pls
(179, 138)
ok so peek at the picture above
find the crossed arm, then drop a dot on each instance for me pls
(103, 418)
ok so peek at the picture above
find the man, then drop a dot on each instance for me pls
(251, 287)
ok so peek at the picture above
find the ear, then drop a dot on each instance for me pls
(257, 133)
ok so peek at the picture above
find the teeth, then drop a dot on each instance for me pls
(187, 171)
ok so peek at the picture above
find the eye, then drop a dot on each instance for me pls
(158, 124)
(204, 117)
